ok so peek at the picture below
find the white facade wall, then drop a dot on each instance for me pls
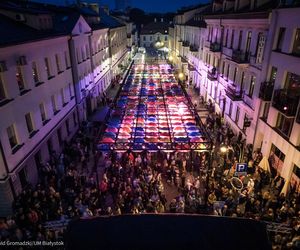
(215, 90)
(118, 49)
(284, 62)
(149, 40)
(13, 113)
(81, 67)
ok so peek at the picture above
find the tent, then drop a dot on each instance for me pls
(285, 188)
(264, 164)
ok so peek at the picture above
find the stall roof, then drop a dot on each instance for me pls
(153, 112)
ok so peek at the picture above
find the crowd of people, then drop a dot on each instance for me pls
(83, 182)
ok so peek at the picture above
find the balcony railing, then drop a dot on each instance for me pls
(227, 51)
(212, 75)
(253, 62)
(233, 93)
(266, 91)
(240, 57)
(285, 101)
(185, 43)
(215, 47)
(194, 48)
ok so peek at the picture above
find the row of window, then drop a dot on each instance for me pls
(12, 132)
(36, 76)
(82, 54)
(225, 70)
(158, 38)
(281, 36)
(228, 40)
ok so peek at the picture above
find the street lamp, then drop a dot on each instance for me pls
(181, 76)
(223, 149)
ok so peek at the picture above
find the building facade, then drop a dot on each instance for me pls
(278, 126)
(154, 32)
(54, 67)
(247, 67)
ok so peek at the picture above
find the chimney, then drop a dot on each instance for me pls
(162, 20)
(155, 19)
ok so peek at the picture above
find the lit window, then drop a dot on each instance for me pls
(273, 74)
(20, 79)
(35, 73)
(292, 82)
(12, 137)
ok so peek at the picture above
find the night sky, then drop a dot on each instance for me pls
(146, 5)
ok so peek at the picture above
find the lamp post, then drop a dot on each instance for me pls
(224, 151)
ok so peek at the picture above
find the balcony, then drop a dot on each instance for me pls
(212, 75)
(254, 63)
(227, 51)
(215, 47)
(266, 91)
(233, 93)
(185, 43)
(240, 57)
(194, 48)
(286, 102)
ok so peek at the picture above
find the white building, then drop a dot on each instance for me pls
(278, 128)
(187, 38)
(53, 68)
(38, 108)
(157, 31)
(249, 70)
(233, 56)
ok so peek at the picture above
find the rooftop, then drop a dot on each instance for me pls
(156, 27)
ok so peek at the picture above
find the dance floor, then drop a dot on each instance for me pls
(153, 112)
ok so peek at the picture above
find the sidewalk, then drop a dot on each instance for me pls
(195, 98)
(101, 111)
